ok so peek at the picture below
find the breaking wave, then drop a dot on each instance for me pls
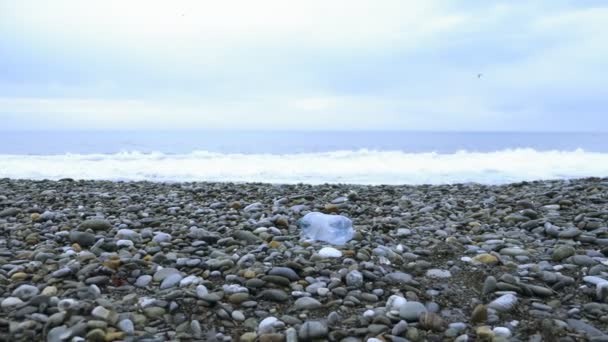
(356, 167)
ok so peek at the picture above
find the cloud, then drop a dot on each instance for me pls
(273, 64)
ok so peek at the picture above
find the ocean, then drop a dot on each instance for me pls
(305, 157)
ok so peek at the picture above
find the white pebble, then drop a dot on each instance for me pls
(330, 252)
(504, 302)
(502, 331)
(395, 302)
(201, 291)
(161, 237)
(124, 243)
(267, 325)
(369, 313)
(11, 302)
(190, 280)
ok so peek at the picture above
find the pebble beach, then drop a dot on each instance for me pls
(146, 261)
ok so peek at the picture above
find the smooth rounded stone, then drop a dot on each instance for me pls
(431, 321)
(438, 273)
(275, 295)
(143, 281)
(411, 311)
(540, 291)
(376, 329)
(278, 280)
(484, 332)
(124, 244)
(489, 286)
(25, 292)
(394, 303)
(126, 325)
(247, 236)
(68, 304)
(190, 280)
(479, 314)
(128, 234)
(369, 314)
(201, 291)
(307, 303)
(171, 281)
(311, 330)
(268, 325)
(238, 298)
(485, 258)
(569, 233)
(62, 272)
(9, 212)
(402, 232)
(11, 302)
(211, 298)
(354, 279)
(238, 316)
(285, 272)
(457, 327)
(397, 278)
(96, 335)
(513, 251)
(84, 239)
(161, 237)
(562, 252)
(503, 303)
(585, 328)
(312, 288)
(330, 252)
(163, 273)
(369, 297)
(502, 332)
(399, 329)
(104, 314)
(96, 225)
(97, 280)
(59, 334)
(248, 337)
(583, 260)
(154, 312)
(234, 288)
(49, 291)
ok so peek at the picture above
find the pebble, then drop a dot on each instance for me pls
(503, 303)
(185, 261)
(25, 292)
(437, 273)
(143, 281)
(126, 325)
(411, 311)
(307, 303)
(268, 325)
(330, 252)
(11, 302)
(171, 281)
(354, 279)
(313, 330)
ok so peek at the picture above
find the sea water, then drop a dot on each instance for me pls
(305, 157)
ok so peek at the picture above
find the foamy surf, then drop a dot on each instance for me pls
(355, 167)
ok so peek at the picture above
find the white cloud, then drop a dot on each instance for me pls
(334, 64)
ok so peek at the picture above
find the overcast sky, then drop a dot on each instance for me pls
(314, 64)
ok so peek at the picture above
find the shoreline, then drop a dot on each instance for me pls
(166, 182)
(156, 261)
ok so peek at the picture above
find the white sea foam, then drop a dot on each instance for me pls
(360, 167)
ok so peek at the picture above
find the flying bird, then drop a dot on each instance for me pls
(479, 75)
